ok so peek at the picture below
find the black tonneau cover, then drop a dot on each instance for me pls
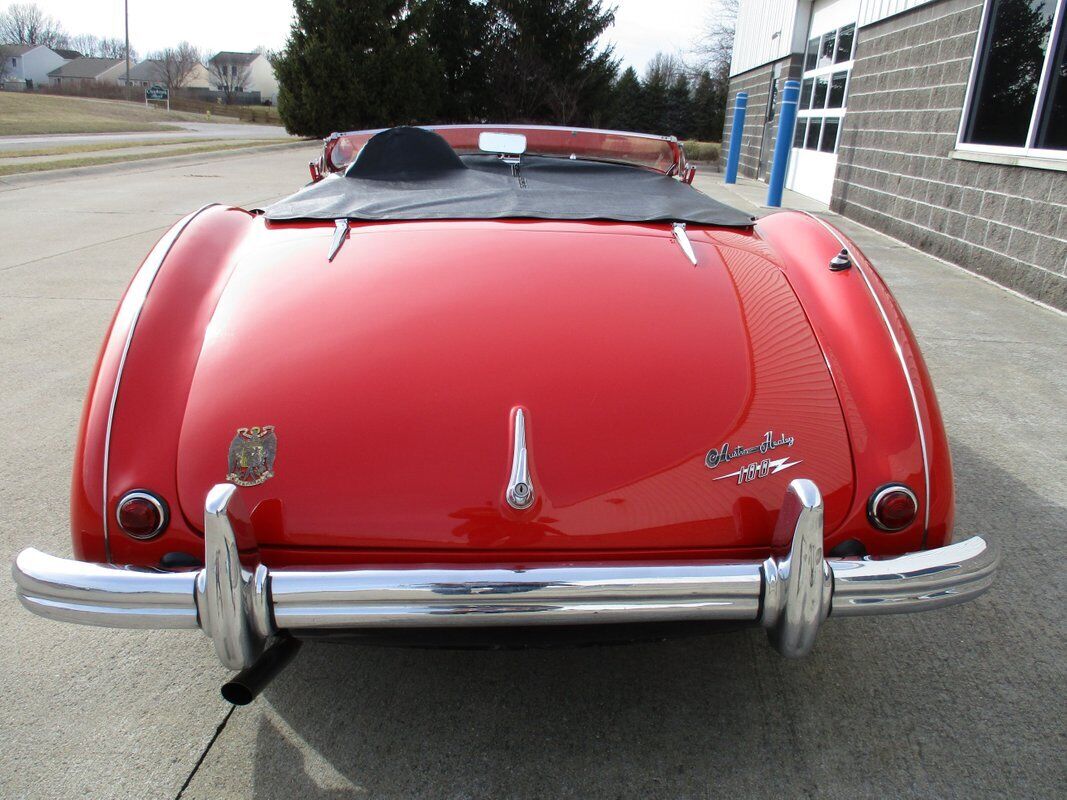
(412, 173)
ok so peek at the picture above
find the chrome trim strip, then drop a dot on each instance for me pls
(242, 610)
(520, 493)
(131, 307)
(903, 365)
(682, 238)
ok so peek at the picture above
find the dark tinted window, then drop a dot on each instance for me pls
(821, 85)
(837, 90)
(812, 57)
(1011, 60)
(814, 128)
(805, 93)
(798, 135)
(1052, 131)
(829, 135)
(845, 38)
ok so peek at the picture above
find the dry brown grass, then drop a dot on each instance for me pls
(89, 161)
(28, 114)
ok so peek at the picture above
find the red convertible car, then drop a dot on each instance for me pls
(487, 378)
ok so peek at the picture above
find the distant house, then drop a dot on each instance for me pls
(89, 70)
(28, 65)
(244, 72)
(151, 71)
(68, 55)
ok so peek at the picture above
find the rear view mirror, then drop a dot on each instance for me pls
(506, 144)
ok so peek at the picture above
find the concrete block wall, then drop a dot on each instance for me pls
(757, 82)
(897, 171)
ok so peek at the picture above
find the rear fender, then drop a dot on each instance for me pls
(133, 411)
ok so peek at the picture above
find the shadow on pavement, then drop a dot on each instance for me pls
(961, 702)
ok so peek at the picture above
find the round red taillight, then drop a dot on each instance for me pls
(142, 515)
(892, 507)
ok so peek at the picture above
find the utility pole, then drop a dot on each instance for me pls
(126, 5)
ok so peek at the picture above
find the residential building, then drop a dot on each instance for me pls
(88, 70)
(28, 64)
(924, 119)
(244, 72)
(152, 71)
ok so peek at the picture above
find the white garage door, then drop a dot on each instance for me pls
(823, 95)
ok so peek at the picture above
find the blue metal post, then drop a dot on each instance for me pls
(736, 130)
(783, 143)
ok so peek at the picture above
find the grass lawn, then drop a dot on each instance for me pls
(88, 161)
(93, 147)
(28, 114)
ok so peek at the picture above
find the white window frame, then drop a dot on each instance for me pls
(1028, 151)
(828, 71)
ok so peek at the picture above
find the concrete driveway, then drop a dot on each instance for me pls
(967, 702)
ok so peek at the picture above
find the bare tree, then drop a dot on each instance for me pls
(176, 65)
(25, 23)
(100, 47)
(664, 69)
(715, 45)
(229, 76)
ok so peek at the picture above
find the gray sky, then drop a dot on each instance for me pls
(642, 26)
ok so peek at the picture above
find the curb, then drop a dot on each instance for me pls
(18, 180)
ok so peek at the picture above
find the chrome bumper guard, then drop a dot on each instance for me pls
(241, 610)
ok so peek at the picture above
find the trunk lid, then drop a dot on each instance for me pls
(389, 376)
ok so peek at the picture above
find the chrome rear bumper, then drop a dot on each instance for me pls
(241, 609)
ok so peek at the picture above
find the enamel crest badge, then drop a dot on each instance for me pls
(252, 453)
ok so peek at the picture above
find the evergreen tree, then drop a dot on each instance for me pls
(679, 120)
(709, 107)
(627, 102)
(545, 62)
(660, 74)
(356, 65)
(458, 31)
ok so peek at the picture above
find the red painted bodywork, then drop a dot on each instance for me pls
(390, 374)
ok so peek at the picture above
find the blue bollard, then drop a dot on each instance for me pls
(736, 130)
(783, 143)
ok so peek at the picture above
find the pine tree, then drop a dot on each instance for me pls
(356, 65)
(709, 106)
(546, 65)
(458, 31)
(627, 102)
(679, 119)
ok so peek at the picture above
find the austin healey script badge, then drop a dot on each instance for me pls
(252, 454)
(754, 470)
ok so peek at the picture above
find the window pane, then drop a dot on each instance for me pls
(814, 128)
(826, 49)
(1052, 129)
(798, 135)
(844, 44)
(1012, 56)
(837, 90)
(812, 57)
(829, 135)
(805, 93)
(819, 101)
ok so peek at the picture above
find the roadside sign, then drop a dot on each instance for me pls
(158, 92)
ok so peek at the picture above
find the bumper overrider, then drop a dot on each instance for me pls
(244, 610)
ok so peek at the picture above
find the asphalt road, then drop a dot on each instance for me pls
(966, 702)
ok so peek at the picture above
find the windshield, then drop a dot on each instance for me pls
(661, 153)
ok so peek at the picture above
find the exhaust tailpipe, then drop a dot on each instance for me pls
(246, 685)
